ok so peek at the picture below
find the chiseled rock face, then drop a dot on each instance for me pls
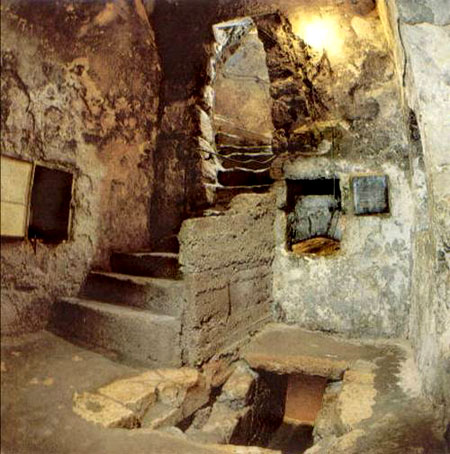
(243, 102)
(427, 50)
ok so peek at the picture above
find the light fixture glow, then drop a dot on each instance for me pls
(320, 32)
(317, 34)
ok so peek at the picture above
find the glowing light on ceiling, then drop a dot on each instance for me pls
(320, 32)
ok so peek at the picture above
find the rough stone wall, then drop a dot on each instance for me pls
(79, 91)
(178, 191)
(242, 98)
(226, 261)
(359, 129)
(184, 40)
(423, 50)
(295, 100)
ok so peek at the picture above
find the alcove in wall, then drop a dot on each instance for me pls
(50, 204)
(313, 210)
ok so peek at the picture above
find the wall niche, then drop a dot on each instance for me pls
(313, 209)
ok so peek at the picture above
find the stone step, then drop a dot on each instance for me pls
(232, 134)
(151, 264)
(243, 177)
(258, 161)
(224, 195)
(161, 296)
(250, 150)
(135, 335)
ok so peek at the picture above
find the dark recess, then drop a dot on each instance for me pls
(320, 186)
(50, 205)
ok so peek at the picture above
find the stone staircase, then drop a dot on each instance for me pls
(133, 312)
(245, 161)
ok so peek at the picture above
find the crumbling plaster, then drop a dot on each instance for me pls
(79, 92)
(363, 289)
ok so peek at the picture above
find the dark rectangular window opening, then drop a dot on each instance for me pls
(318, 186)
(50, 205)
(313, 209)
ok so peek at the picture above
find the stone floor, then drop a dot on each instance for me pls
(39, 375)
(381, 411)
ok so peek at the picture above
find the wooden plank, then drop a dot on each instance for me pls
(15, 192)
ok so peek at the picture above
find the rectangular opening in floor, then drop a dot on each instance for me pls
(263, 409)
(246, 407)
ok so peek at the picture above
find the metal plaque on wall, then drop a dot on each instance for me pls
(370, 194)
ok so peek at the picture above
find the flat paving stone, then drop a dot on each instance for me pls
(287, 349)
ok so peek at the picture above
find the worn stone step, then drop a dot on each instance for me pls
(244, 177)
(258, 161)
(250, 150)
(135, 335)
(151, 264)
(161, 296)
(233, 134)
(224, 195)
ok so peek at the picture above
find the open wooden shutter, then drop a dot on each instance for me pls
(16, 178)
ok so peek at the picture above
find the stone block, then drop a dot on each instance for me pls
(153, 399)
(135, 334)
(210, 304)
(103, 411)
(217, 371)
(250, 287)
(206, 127)
(328, 422)
(135, 393)
(161, 415)
(220, 426)
(237, 391)
(241, 233)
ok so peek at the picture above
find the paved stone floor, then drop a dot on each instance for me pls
(40, 374)
(381, 410)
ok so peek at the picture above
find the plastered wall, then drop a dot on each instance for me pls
(363, 289)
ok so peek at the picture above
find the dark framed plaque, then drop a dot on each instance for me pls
(370, 194)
